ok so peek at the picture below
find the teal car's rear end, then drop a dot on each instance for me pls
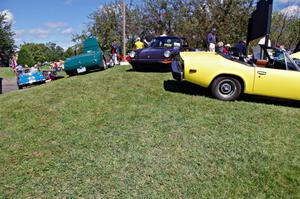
(91, 59)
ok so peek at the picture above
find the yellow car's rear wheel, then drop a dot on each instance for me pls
(226, 88)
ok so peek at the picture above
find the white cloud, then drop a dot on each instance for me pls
(68, 2)
(287, 1)
(18, 35)
(56, 24)
(9, 17)
(39, 32)
(20, 32)
(283, 1)
(291, 11)
(67, 31)
(65, 44)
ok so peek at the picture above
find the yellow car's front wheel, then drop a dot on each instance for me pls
(226, 88)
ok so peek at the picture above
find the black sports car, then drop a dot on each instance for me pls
(159, 54)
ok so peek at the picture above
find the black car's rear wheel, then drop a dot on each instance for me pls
(134, 67)
(226, 88)
(70, 74)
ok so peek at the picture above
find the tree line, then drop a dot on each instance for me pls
(192, 19)
(32, 53)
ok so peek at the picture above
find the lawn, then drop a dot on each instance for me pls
(123, 134)
(6, 72)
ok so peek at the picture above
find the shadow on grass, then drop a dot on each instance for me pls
(84, 73)
(192, 89)
(148, 70)
(185, 88)
(270, 101)
(151, 68)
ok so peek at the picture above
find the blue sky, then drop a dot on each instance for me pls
(41, 21)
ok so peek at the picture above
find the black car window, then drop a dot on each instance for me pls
(166, 42)
(279, 60)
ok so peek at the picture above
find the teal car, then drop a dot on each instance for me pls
(90, 60)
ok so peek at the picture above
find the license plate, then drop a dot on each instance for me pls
(81, 70)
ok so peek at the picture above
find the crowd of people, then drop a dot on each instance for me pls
(214, 46)
(53, 66)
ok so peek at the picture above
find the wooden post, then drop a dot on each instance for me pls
(124, 31)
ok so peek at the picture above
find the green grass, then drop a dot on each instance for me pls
(123, 134)
(6, 72)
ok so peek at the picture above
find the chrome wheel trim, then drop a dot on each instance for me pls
(226, 88)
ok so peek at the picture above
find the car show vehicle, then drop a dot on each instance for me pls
(296, 54)
(51, 75)
(28, 77)
(227, 78)
(296, 57)
(159, 54)
(91, 59)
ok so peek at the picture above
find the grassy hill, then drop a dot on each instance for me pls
(6, 72)
(120, 133)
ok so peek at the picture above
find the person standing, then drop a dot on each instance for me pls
(164, 34)
(138, 44)
(113, 52)
(148, 38)
(19, 69)
(212, 40)
(241, 48)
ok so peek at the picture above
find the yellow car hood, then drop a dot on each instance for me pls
(197, 55)
(296, 55)
(205, 58)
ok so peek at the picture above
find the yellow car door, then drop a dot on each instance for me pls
(277, 83)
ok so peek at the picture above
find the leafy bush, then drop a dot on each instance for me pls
(25, 57)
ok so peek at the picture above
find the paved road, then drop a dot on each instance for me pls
(9, 85)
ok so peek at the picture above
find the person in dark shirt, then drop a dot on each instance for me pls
(241, 48)
(212, 40)
(149, 37)
(114, 52)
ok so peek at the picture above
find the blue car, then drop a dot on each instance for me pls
(28, 77)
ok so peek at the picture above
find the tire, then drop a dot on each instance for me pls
(20, 87)
(134, 67)
(226, 88)
(70, 74)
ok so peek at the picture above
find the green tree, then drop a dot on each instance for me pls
(25, 57)
(285, 29)
(38, 51)
(192, 19)
(54, 52)
(69, 52)
(6, 41)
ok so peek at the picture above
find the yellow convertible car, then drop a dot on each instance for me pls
(227, 78)
(296, 55)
